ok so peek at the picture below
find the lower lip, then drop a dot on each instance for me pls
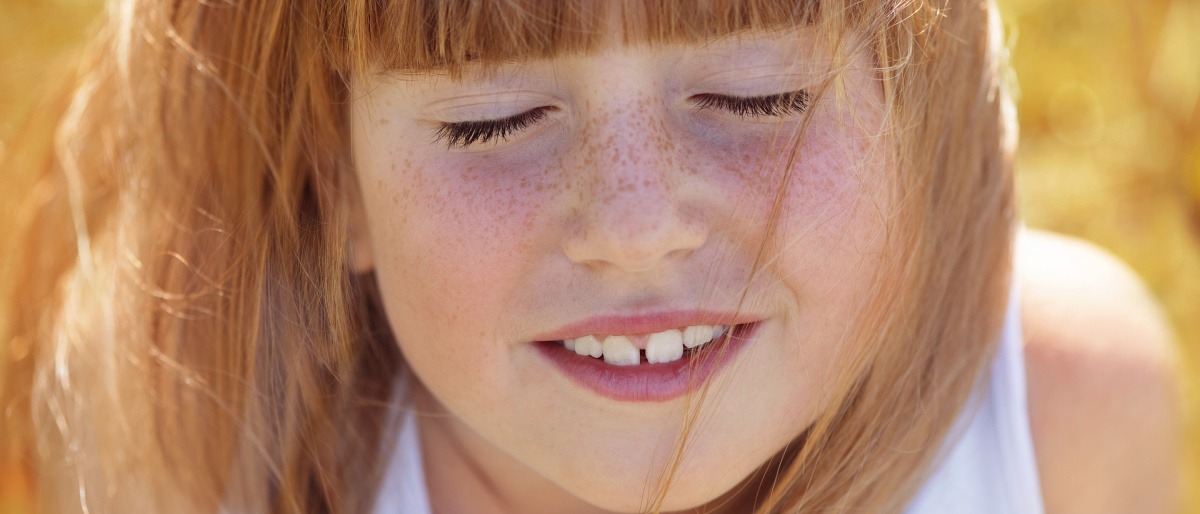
(648, 382)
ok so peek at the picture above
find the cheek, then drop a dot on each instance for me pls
(839, 198)
(826, 177)
(841, 253)
(826, 250)
(452, 240)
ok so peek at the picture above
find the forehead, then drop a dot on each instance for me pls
(409, 35)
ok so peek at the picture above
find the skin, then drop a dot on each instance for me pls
(616, 203)
(627, 198)
(1102, 381)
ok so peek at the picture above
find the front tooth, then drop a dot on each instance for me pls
(619, 351)
(664, 346)
(719, 331)
(569, 344)
(589, 346)
(697, 335)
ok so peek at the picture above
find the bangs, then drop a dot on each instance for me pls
(412, 35)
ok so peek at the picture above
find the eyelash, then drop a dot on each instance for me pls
(465, 133)
(792, 102)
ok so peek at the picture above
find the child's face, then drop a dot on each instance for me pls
(630, 194)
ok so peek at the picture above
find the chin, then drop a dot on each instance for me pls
(675, 501)
(687, 491)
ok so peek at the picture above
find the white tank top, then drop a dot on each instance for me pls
(987, 464)
(986, 467)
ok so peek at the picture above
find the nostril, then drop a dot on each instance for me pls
(631, 254)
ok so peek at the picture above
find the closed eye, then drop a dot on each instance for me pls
(791, 102)
(466, 133)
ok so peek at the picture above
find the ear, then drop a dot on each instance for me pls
(361, 254)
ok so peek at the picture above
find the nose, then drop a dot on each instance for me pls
(636, 210)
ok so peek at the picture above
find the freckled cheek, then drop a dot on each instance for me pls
(834, 219)
(746, 174)
(753, 170)
(458, 247)
(837, 174)
(495, 210)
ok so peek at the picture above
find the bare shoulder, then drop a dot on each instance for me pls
(1101, 363)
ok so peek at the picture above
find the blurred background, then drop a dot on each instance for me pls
(1109, 106)
(1109, 103)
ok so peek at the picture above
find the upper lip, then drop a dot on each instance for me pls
(644, 323)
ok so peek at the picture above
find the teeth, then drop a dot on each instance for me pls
(697, 335)
(589, 346)
(620, 351)
(664, 347)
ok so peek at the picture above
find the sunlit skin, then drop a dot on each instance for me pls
(627, 197)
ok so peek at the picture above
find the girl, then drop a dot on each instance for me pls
(527, 256)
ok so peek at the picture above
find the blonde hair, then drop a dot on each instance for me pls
(184, 327)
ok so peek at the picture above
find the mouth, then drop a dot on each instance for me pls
(655, 367)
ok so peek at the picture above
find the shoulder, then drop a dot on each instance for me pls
(1101, 368)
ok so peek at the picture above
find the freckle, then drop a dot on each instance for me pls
(383, 121)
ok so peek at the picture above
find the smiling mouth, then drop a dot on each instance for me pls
(659, 348)
(651, 367)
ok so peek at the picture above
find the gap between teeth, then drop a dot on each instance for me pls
(661, 347)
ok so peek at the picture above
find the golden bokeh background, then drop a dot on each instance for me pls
(1109, 106)
(1109, 103)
